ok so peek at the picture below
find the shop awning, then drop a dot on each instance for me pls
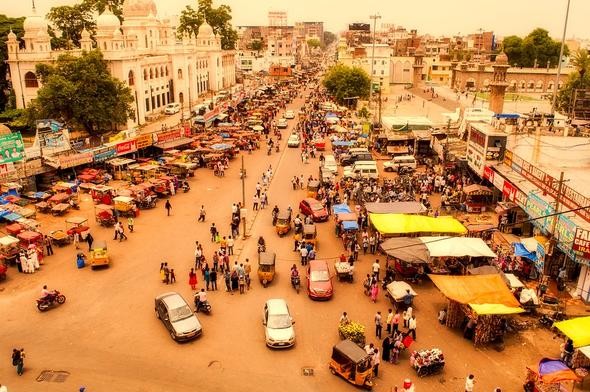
(554, 371)
(476, 189)
(577, 329)
(407, 224)
(350, 225)
(174, 143)
(457, 247)
(522, 251)
(398, 207)
(408, 249)
(486, 294)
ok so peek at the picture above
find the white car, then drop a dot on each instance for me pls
(282, 123)
(172, 108)
(278, 324)
(293, 140)
(289, 114)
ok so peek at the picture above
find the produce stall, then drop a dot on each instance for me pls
(427, 362)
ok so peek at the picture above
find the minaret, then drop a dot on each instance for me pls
(418, 65)
(85, 41)
(499, 84)
(12, 44)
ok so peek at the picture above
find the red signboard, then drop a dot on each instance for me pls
(126, 147)
(582, 242)
(167, 136)
(213, 113)
(488, 174)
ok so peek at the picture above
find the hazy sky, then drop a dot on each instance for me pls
(436, 17)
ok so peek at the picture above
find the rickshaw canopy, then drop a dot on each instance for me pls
(100, 244)
(313, 185)
(350, 225)
(309, 229)
(8, 240)
(349, 350)
(283, 215)
(266, 258)
(123, 199)
(76, 220)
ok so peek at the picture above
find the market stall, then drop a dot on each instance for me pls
(578, 330)
(403, 224)
(550, 375)
(398, 207)
(477, 198)
(477, 303)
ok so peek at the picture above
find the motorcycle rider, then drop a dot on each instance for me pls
(47, 295)
(275, 215)
(261, 244)
(200, 299)
(298, 224)
(294, 274)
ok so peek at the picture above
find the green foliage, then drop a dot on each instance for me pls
(256, 45)
(6, 23)
(81, 91)
(536, 48)
(353, 331)
(580, 80)
(342, 82)
(314, 43)
(218, 18)
(329, 38)
(364, 113)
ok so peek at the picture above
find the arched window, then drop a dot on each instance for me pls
(157, 73)
(166, 71)
(531, 85)
(145, 75)
(151, 73)
(180, 74)
(131, 78)
(162, 71)
(31, 80)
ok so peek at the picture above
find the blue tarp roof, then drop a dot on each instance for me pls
(12, 217)
(520, 250)
(221, 146)
(3, 213)
(341, 209)
(330, 114)
(350, 225)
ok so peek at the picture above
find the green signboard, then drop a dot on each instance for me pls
(12, 148)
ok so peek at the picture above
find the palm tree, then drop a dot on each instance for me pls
(581, 60)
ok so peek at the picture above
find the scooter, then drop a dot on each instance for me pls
(296, 283)
(49, 301)
(204, 306)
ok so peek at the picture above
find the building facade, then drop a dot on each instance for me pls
(143, 52)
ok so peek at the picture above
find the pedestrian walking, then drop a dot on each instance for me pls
(166, 274)
(77, 240)
(376, 360)
(3, 388)
(202, 214)
(168, 207)
(90, 240)
(130, 224)
(230, 245)
(48, 245)
(412, 327)
(255, 201)
(376, 267)
(469, 383)
(388, 321)
(192, 279)
(213, 231)
(18, 360)
(374, 292)
(207, 277)
(116, 229)
(172, 276)
(227, 279)
(378, 325)
(122, 235)
(15, 358)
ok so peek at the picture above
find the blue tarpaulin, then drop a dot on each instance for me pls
(330, 114)
(341, 209)
(3, 213)
(12, 217)
(350, 225)
(221, 146)
(522, 251)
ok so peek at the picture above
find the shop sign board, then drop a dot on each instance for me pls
(143, 141)
(67, 161)
(12, 148)
(582, 242)
(126, 147)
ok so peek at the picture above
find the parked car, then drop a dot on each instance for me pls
(177, 316)
(400, 163)
(311, 207)
(282, 123)
(294, 140)
(289, 114)
(172, 108)
(319, 281)
(278, 324)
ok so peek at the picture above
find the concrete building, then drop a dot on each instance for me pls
(277, 18)
(362, 56)
(143, 52)
(309, 30)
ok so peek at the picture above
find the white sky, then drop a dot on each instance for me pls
(436, 17)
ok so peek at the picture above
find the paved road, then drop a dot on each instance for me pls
(107, 337)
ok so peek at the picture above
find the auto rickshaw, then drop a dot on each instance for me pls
(283, 225)
(310, 235)
(99, 256)
(76, 224)
(352, 363)
(125, 206)
(312, 188)
(266, 267)
(104, 215)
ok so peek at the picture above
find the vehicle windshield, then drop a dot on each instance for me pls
(180, 313)
(319, 276)
(279, 321)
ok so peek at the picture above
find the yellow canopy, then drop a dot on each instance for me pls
(486, 294)
(577, 329)
(405, 224)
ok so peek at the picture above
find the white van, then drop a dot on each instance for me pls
(362, 169)
(330, 164)
(407, 161)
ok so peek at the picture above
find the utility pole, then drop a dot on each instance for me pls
(374, 18)
(380, 88)
(556, 84)
(243, 200)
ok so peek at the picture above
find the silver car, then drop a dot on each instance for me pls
(278, 323)
(177, 316)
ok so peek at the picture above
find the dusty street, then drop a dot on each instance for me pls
(107, 337)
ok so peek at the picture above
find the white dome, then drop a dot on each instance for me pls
(85, 34)
(205, 30)
(34, 23)
(139, 8)
(107, 21)
(11, 35)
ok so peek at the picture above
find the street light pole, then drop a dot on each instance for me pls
(243, 199)
(374, 18)
(554, 100)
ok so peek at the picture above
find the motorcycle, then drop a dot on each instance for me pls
(296, 283)
(261, 248)
(49, 301)
(204, 306)
(548, 320)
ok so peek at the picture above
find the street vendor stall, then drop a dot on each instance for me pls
(125, 206)
(477, 303)
(104, 215)
(8, 249)
(578, 330)
(477, 198)
(399, 224)
(77, 224)
(120, 168)
(401, 294)
(427, 362)
(550, 375)
(344, 271)
(397, 207)
(102, 194)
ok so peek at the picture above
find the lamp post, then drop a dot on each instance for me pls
(554, 100)
(374, 18)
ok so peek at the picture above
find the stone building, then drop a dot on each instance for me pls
(143, 52)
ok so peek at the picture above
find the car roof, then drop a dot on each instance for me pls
(365, 163)
(277, 306)
(310, 200)
(404, 157)
(172, 300)
(318, 265)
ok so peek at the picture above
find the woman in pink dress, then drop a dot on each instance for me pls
(374, 292)
(192, 279)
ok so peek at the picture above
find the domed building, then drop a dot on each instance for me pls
(142, 50)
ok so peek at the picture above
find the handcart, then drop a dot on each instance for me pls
(428, 361)
(59, 237)
(343, 272)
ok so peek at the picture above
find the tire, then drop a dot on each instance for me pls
(332, 371)
(157, 314)
(61, 299)
(41, 307)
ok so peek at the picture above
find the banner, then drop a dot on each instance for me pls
(104, 154)
(143, 141)
(67, 161)
(582, 242)
(167, 136)
(126, 147)
(12, 148)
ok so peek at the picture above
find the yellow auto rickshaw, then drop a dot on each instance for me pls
(125, 206)
(283, 224)
(99, 256)
(266, 267)
(352, 363)
(310, 235)
(312, 188)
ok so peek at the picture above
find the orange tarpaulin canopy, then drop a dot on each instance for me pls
(478, 290)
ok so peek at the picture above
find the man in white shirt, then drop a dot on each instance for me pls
(469, 382)
(412, 327)
(230, 245)
(376, 268)
(3, 388)
(304, 253)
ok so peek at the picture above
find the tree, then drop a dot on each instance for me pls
(342, 82)
(6, 24)
(218, 18)
(329, 38)
(257, 45)
(81, 92)
(536, 49)
(579, 80)
(314, 43)
(69, 21)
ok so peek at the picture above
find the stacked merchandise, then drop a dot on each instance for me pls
(353, 331)
(428, 361)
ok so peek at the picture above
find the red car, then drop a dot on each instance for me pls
(310, 206)
(319, 281)
(320, 144)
